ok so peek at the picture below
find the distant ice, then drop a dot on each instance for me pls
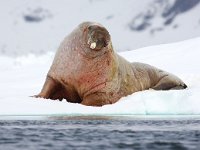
(29, 26)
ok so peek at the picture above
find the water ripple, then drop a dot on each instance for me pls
(100, 134)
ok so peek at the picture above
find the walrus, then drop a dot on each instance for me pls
(87, 70)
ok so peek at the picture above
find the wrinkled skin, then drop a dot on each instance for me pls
(86, 70)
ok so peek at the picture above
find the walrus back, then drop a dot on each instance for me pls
(156, 78)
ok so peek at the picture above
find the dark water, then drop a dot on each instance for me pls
(100, 133)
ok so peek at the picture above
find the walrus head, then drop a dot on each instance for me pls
(96, 38)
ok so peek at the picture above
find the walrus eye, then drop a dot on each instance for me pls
(97, 37)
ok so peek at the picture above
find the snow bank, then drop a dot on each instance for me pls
(24, 76)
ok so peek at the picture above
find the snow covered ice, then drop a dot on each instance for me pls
(24, 76)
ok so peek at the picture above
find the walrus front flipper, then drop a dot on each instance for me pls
(51, 90)
(170, 82)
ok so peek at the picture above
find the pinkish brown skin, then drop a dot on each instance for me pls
(98, 76)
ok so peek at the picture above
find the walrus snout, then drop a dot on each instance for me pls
(98, 37)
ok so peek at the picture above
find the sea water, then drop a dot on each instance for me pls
(105, 132)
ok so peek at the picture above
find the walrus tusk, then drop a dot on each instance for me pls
(93, 45)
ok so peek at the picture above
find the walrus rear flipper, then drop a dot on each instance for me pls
(170, 83)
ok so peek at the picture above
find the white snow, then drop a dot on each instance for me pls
(23, 76)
